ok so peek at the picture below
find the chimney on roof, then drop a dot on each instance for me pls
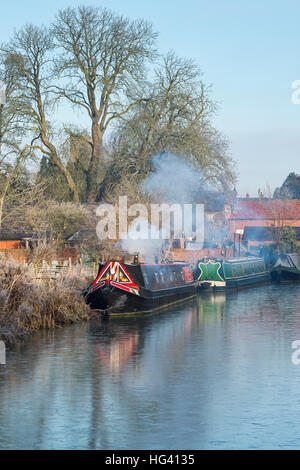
(260, 194)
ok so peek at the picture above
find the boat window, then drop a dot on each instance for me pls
(261, 267)
(228, 270)
(176, 279)
(146, 279)
(248, 268)
(162, 277)
(239, 271)
(258, 267)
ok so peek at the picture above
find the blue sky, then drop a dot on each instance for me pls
(248, 50)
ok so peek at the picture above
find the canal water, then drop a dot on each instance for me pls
(213, 373)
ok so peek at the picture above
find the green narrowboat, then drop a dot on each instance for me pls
(223, 274)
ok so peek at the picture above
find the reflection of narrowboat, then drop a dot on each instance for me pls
(121, 288)
(116, 352)
(286, 268)
(230, 273)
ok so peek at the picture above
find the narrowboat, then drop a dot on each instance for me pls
(286, 268)
(214, 274)
(121, 288)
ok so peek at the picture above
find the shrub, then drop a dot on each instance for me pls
(26, 306)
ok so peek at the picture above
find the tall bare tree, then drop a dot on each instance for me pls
(103, 56)
(30, 53)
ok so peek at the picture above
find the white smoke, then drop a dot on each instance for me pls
(175, 181)
(139, 240)
(173, 178)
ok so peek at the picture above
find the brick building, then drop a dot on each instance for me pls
(263, 213)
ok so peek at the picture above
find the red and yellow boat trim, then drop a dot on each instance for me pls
(115, 274)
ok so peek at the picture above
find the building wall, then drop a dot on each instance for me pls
(263, 242)
(238, 224)
(10, 244)
(15, 249)
(192, 256)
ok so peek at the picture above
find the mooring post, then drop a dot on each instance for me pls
(2, 353)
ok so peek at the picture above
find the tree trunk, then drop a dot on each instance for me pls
(92, 184)
(57, 161)
(5, 189)
(1, 210)
(68, 176)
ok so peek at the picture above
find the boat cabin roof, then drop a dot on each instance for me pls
(243, 260)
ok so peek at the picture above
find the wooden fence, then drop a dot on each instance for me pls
(57, 269)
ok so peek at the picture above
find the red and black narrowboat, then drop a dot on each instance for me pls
(121, 288)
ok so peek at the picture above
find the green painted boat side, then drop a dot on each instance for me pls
(231, 273)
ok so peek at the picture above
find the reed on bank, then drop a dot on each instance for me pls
(27, 306)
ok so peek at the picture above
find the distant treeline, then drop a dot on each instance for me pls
(290, 189)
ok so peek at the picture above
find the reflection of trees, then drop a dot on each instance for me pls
(44, 385)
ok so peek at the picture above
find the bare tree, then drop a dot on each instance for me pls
(11, 129)
(175, 118)
(14, 194)
(59, 220)
(103, 57)
(30, 53)
(16, 197)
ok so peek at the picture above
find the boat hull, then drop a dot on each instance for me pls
(285, 275)
(116, 302)
(286, 268)
(235, 283)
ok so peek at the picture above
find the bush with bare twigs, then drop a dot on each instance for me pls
(26, 306)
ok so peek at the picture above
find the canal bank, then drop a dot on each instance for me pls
(214, 373)
(27, 306)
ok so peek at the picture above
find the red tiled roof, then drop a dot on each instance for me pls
(266, 209)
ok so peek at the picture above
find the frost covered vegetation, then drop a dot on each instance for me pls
(26, 306)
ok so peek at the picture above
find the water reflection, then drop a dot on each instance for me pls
(121, 341)
(113, 345)
(213, 373)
